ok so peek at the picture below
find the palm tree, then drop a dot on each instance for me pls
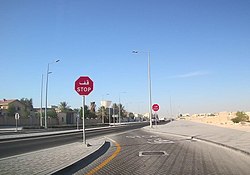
(115, 108)
(63, 106)
(122, 110)
(102, 113)
(27, 102)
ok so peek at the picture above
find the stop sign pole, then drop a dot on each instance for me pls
(84, 86)
(83, 120)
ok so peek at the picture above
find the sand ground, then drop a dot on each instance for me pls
(222, 121)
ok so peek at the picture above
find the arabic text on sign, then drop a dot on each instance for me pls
(85, 83)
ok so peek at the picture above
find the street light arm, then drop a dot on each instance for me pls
(138, 51)
(56, 61)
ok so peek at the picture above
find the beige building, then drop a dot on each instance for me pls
(17, 106)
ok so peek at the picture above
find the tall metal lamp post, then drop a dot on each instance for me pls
(120, 106)
(149, 87)
(41, 108)
(46, 93)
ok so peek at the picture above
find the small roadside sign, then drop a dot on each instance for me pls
(155, 107)
(17, 116)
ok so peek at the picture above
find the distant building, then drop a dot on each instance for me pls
(138, 117)
(146, 116)
(16, 106)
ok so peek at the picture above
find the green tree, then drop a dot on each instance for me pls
(122, 110)
(115, 109)
(241, 117)
(131, 115)
(52, 113)
(102, 114)
(63, 106)
(11, 111)
(28, 106)
(86, 112)
(92, 115)
(27, 102)
(76, 110)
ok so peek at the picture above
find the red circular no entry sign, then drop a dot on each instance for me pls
(155, 107)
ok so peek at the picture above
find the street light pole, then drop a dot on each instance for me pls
(46, 98)
(46, 94)
(149, 91)
(41, 109)
(149, 88)
(120, 106)
(109, 110)
(114, 115)
(119, 109)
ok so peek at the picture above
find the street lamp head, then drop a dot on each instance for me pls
(134, 51)
(56, 61)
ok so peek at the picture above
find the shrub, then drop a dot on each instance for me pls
(241, 117)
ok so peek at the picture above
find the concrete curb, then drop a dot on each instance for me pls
(36, 135)
(224, 145)
(70, 168)
(202, 139)
(56, 133)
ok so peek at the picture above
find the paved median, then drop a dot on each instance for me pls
(232, 138)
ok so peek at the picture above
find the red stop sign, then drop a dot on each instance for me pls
(155, 107)
(84, 85)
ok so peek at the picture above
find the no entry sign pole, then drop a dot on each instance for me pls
(155, 107)
(84, 86)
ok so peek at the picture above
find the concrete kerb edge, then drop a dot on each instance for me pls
(87, 158)
(55, 133)
(198, 138)
(37, 135)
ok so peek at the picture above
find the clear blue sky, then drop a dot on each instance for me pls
(200, 52)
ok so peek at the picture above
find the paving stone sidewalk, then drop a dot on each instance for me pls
(48, 161)
(239, 140)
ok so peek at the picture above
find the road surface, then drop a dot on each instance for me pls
(25, 145)
(143, 152)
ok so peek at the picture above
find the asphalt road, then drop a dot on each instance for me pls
(181, 156)
(25, 145)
